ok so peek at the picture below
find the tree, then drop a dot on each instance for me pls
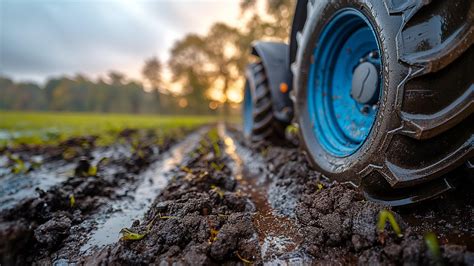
(189, 65)
(116, 78)
(152, 72)
(279, 14)
(224, 56)
(208, 65)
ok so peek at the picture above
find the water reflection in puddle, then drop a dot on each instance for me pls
(17, 187)
(134, 207)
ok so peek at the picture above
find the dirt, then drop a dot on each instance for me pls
(215, 199)
(44, 220)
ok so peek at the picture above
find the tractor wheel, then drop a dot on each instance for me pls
(259, 122)
(384, 94)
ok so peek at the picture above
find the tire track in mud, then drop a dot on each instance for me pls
(46, 224)
(134, 206)
(338, 225)
(278, 235)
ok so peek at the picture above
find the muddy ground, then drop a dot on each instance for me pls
(207, 198)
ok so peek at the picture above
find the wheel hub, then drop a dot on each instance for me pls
(365, 84)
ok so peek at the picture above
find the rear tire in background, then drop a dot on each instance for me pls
(259, 122)
(396, 133)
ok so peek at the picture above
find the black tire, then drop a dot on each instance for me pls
(264, 125)
(424, 125)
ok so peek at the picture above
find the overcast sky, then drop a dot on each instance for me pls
(44, 38)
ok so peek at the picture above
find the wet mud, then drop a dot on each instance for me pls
(54, 208)
(212, 198)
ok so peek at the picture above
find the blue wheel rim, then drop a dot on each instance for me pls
(247, 110)
(341, 124)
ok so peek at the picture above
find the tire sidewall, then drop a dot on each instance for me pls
(372, 151)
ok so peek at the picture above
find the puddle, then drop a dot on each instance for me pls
(45, 133)
(15, 188)
(5, 135)
(276, 233)
(135, 206)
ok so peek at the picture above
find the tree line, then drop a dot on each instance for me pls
(209, 70)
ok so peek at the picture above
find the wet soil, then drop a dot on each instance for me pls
(212, 198)
(51, 207)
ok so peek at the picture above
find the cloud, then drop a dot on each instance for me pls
(41, 38)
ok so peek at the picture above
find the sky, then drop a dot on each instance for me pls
(40, 39)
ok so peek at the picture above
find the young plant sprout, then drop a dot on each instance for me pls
(245, 261)
(72, 200)
(383, 216)
(129, 235)
(218, 191)
(320, 186)
(217, 150)
(432, 243)
(217, 167)
(214, 233)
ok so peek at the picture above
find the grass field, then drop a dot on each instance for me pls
(39, 128)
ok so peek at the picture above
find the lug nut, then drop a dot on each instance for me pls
(374, 54)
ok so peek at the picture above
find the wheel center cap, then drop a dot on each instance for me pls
(365, 83)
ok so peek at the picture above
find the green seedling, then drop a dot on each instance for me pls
(92, 171)
(245, 261)
(159, 215)
(69, 153)
(218, 191)
(291, 130)
(201, 149)
(320, 186)
(166, 217)
(186, 169)
(213, 237)
(19, 166)
(383, 216)
(129, 235)
(135, 144)
(431, 242)
(72, 200)
(217, 167)
(217, 149)
(150, 224)
(203, 174)
(213, 135)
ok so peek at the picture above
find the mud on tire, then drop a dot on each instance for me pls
(259, 122)
(424, 125)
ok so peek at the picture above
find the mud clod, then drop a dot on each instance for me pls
(53, 231)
